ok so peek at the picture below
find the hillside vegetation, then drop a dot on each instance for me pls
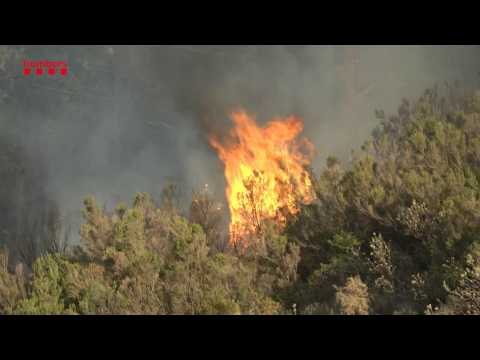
(395, 231)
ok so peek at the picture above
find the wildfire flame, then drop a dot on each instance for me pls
(265, 170)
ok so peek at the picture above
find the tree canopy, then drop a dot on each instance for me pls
(394, 231)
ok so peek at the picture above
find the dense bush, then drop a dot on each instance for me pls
(395, 231)
(405, 214)
(143, 260)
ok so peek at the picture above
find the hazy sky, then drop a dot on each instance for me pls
(129, 118)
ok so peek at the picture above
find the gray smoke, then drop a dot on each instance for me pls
(133, 118)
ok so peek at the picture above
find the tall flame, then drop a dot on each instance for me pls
(265, 170)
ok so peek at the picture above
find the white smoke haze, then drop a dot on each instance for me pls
(133, 118)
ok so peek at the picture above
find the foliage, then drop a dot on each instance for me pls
(395, 231)
(411, 199)
(352, 299)
(147, 260)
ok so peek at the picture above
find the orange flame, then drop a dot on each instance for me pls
(265, 170)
